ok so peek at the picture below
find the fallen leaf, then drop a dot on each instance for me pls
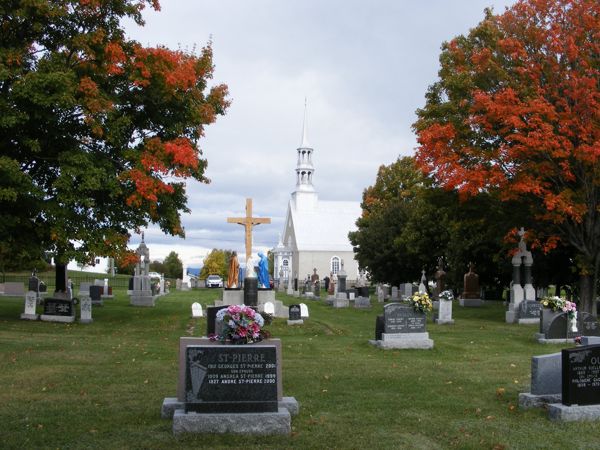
(489, 418)
(500, 392)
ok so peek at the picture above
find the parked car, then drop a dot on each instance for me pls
(214, 281)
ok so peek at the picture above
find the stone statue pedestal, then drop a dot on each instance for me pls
(232, 297)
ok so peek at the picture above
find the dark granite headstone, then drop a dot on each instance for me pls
(341, 282)
(558, 328)
(34, 283)
(96, 293)
(400, 318)
(130, 286)
(587, 325)
(471, 284)
(58, 307)
(379, 327)
(295, 284)
(250, 291)
(363, 291)
(43, 287)
(231, 378)
(581, 375)
(211, 317)
(530, 309)
(546, 318)
(295, 312)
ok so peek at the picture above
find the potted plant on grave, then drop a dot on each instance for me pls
(241, 325)
(420, 302)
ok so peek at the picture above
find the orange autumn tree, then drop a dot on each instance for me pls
(98, 133)
(516, 109)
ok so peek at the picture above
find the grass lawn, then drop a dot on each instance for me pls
(102, 385)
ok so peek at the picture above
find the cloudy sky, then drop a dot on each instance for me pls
(363, 67)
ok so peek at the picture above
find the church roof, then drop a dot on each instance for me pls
(325, 227)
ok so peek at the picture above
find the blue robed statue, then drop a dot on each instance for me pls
(263, 271)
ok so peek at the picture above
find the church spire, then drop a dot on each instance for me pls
(304, 166)
(304, 143)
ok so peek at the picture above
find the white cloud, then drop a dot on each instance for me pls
(364, 67)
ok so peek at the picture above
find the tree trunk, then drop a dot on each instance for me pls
(61, 278)
(587, 290)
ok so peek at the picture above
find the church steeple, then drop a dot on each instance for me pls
(305, 196)
(304, 166)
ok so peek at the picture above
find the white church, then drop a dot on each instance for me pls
(315, 233)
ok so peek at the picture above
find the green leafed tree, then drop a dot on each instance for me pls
(216, 263)
(97, 132)
(173, 266)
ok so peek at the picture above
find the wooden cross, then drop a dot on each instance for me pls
(248, 222)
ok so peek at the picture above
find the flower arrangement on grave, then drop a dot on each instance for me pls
(241, 325)
(557, 304)
(420, 302)
(446, 295)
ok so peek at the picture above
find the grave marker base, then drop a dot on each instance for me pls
(52, 318)
(573, 413)
(295, 322)
(470, 302)
(239, 423)
(443, 321)
(529, 321)
(340, 303)
(403, 340)
(30, 316)
(172, 404)
(528, 400)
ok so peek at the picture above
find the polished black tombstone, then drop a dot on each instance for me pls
(363, 291)
(294, 312)
(251, 291)
(581, 375)
(96, 293)
(379, 327)
(231, 378)
(59, 307)
(211, 316)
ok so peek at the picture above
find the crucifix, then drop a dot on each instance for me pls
(248, 222)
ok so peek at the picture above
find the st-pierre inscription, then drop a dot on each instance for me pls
(231, 378)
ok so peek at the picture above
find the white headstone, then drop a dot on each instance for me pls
(30, 304)
(380, 294)
(351, 295)
(196, 310)
(444, 314)
(303, 310)
(86, 309)
(269, 308)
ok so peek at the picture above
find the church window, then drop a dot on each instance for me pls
(335, 264)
